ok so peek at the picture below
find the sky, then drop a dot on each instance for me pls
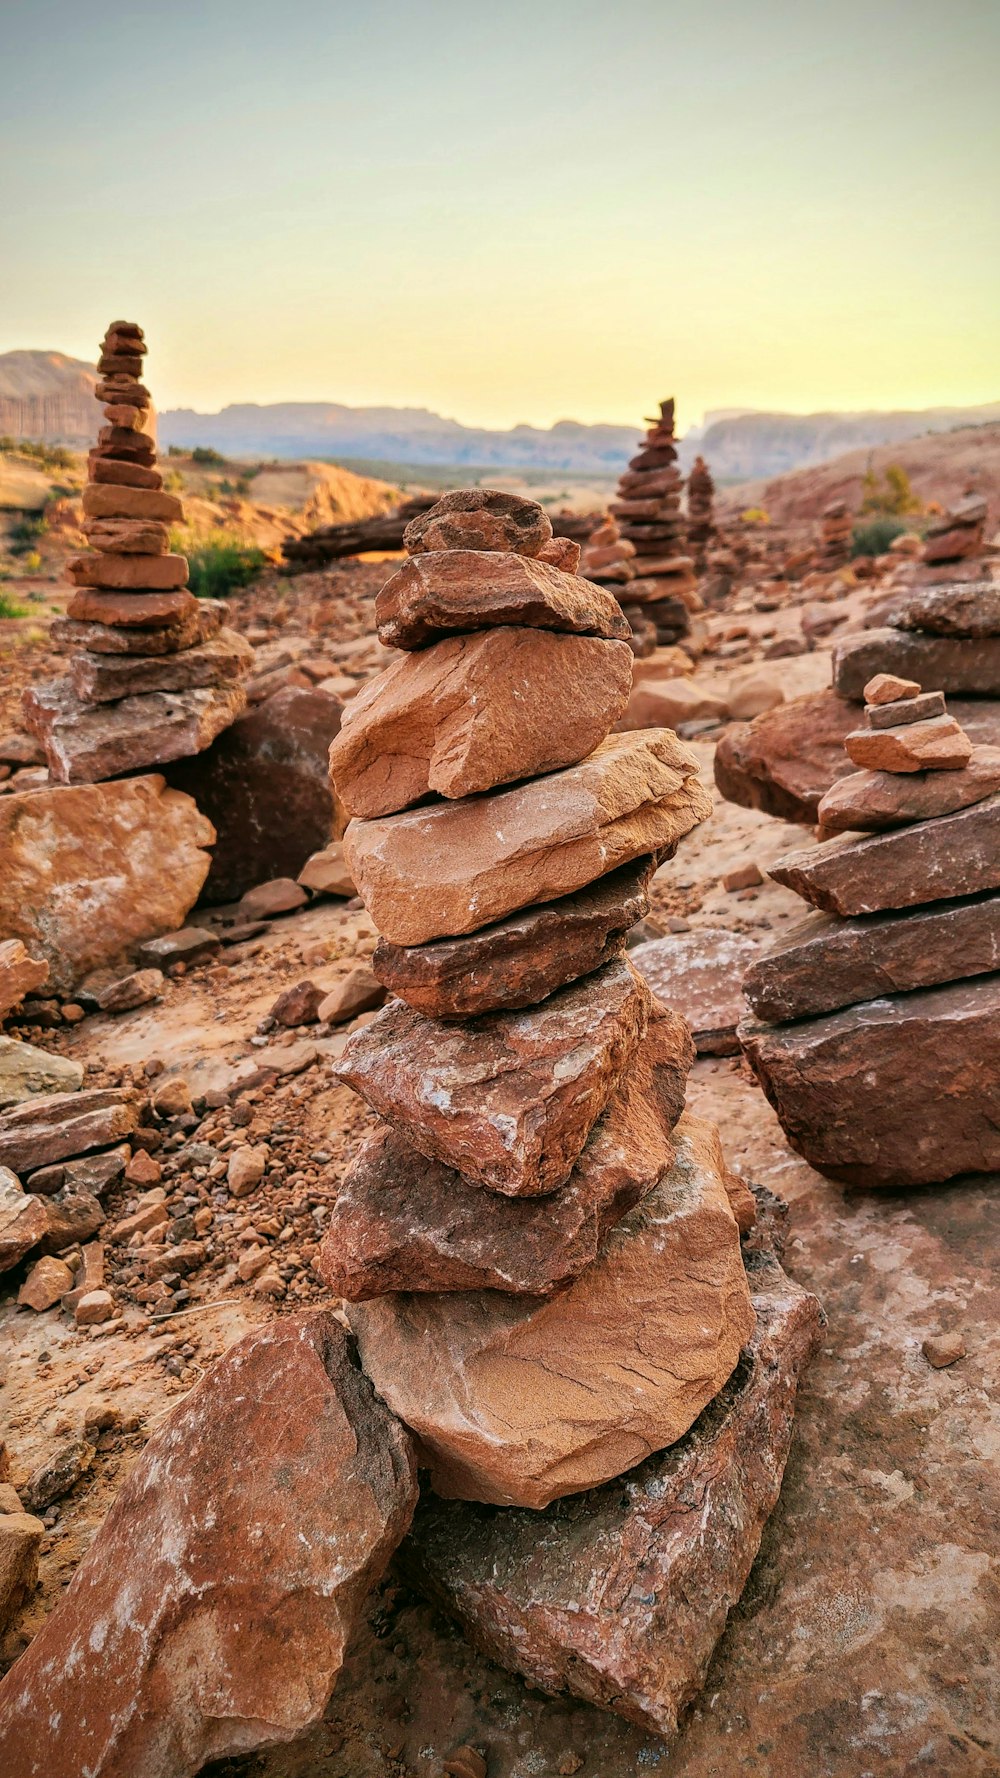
(513, 212)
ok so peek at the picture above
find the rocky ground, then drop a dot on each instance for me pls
(864, 1642)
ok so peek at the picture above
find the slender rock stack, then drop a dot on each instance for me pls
(700, 498)
(882, 1051)
(957, 534)
(540, 1252)
(608, 560)
(154, 677)
(836, 526)
(649, 508)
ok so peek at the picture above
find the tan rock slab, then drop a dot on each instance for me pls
(480, 519)
(122, 502)
(887, 688)
(26, 1070)
(872, 801)
(84, 743)
(129, 537)
(940, 744)
(359, 991)
(19, 974)
(133, 610)
(47, 1282)
(435, 873)
(448, 591)
(127, 573)
(906, 710)
(104, 678)
(518, 1401)
(56, 1126)
(666, 703)
(203, 621)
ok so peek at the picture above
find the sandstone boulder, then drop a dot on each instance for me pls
(872, 801)
(939, 744)
(403, 1222)
(438, 872)
(522, 959)
(475, 711)
(84, 744)
(117, 502)
(700, 973)
(784, 761)
(970, 608)
(204, 621)
(20, 1538)
(480, 519)
(211, 1613)
(24, 1220)
(19, 974)
(55, 1126)
(956, 854)
(326, 872)
(508, 1099)
(25, 1071)
(519, 1400)
(446, 591)
(949, 663)
(666, 703)
(85, 875)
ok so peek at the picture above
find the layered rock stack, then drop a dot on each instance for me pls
(957, 534)
(700, 503)
(649, 510)
(946, 635)
(608, 559)
(834, 546)
(154, 676)
(881, 1054)
(539, 1249)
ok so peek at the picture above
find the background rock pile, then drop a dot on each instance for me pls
(834, 547)
(700, 501)
(608, 559)
(649, 511)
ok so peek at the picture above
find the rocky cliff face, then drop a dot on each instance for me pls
(48, 397)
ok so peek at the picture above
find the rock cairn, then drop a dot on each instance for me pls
(649, 510)
(836, 526)
(957, 534)
(608, 559)
(154, 676)
(700, 502)
(539, 1249)
(946, 635)
(881, 1050)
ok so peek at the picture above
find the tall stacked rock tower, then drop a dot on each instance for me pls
(608, 559)
(540, 1251)
(649, 510)
(700, 500)
(154, 676)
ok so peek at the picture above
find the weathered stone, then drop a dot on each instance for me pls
(941, 1350)
(519, 1400)
(783, 761)
(139, 537)
(509, 1099)
(192, 944)
(26, 1071)
(85, 743)
(480, 519)
(281, 895)
(23, 1220)
(119, 474)
(101, 678)
(475, 711)
(85, 875)
(522, 959)
(448, 591)
(55, 1126)
(872, 801)
(952, 855)
(199, 1624)
(118, 502)
(905, 710)
(94, 1173)
(93, 1307)
(403, 1222)
(136, 610)
(619, 1595)
(56, 1475)
(141, 574)
(20, 1537)
(203, 621)
(970, 608)
(48, 1280)
(949, 663)
(750, 694)
(700, 973)
(888, 688)
(139, 988)
(938, 745)
(246, 1168)
(264, 784)
(823, 963)
(73, 1217)
(326, 872)
(359, 991)
(898, 1091)
(19, 974)
(438, 872)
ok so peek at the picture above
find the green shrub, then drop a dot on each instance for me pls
(219, 564)
(889, 498)
(205, 455)
(9, 607)
(874, 538)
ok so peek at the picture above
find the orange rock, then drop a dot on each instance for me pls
(47, 1282)
(138, 537)
(480, 519)
(125, 502)
(164, 610)
(449, 591)
(939, 744)
(143, 573)
(19, 974)
(885, 688)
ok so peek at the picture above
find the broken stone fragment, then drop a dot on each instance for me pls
(192, 944)
(95, 1173)
(941, 1350)
(282, 895)
(475, 711)
(939, 744)
(888, 688)
(872, 801)
(439, 872)
(20, 973)
(509, 1099)
(47, 1282)
(953, 664)
(26, 1071)
(520, 1400)
(480, 519)
(53, 1126)
(783, 761)
(129, 991)
(956, 854)
(358, 991)
(247, 1166)
(20, 1537)
(264, 1582)
(326, 872)
(56, 1475)
(446, 591)
(24, 1219)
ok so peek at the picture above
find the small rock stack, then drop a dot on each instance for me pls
(836, 527)
(700, 519)
(946, 635)
(957, 534)
(155, 676)
(608, 560)
(540, 1251)
(649, 508)
(882, 1051)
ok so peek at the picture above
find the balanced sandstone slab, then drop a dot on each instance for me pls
(619, 1595)
(956, 854)
(85, 743)
(898, 1091)
(823, 963)
(203, 621)
(938, 744)
(438, 872)
(475, 711)
(211, 1614)
(524, 958)
(480, 519)
(125, 573)
(143, 502)
(130, 610)
(451, 590)
(517, 1400)
(949, 663)
(54, 1126)
(508, 1099)
(104, 678)
(403, 1222)
(871, 801)
(969, 608)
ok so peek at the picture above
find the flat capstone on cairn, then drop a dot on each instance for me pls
(879, 1036)
(648, 509)
(608, 559)
(539, 1248)
(153, 675)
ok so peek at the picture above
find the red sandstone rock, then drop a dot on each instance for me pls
(127, 610)
(783, 761)
(326, 872)
(139, 537)
(19, 974)
(118, 502)
(203, 621)
(53, 1126)
(359, 991)
(102, 678)
(24, 1219)
(20, 1538)
(107, 472)
(446, 591)
(955, 854)
(970, 608)
(954, 664)
(888, 688)
(508, 1099)
(937, 745)
(211, 1613)
(84, 744)
(872, 801)
(902, 711)
(700, 974)
(438, 872)
(666, 703)
(480, 519)
(129, 573)
(520, 1400)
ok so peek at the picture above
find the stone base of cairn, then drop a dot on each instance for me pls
(608, 559)
(541, 1251)
(947, 635)
(881, 1054)
(836, 526)
(700, 519)
(648, 509)
(154, 676)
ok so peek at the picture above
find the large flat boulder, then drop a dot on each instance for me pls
(93, 869)
(508, 1099)
(870, 801)
(438, 872)
(403, 1223)
(264, 785)
(618, 1596)
(442, 592)
(783, 761)
(700, 973)
(823, 963)
(475, 711)
(899, 1091)
(86, 742)
(968, 608)
(952, 664)
(520, 960)
(50, 1127)
(954, 855)
(518, 1400)
(211, 1613)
